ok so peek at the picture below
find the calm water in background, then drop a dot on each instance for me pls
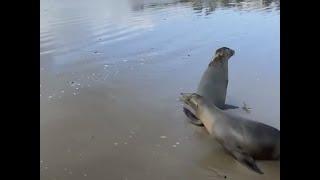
(111, 73)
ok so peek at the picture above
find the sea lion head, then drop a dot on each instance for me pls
(192, 100)
(222, 55)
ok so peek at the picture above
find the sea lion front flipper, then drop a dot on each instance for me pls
(247, 160)
(193, 119)
(228, 106)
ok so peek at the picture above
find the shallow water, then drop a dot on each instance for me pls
(111, 73)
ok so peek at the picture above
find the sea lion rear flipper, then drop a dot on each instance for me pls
(247, 161)
(193, 119)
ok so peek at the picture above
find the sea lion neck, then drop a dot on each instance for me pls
(218, 61)
(206, 112)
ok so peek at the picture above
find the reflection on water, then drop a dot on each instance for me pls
(112, 70)
(206, 7)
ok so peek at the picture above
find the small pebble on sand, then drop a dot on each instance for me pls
(163, 137)
(116, 144)
(177, 143)
(174, 145)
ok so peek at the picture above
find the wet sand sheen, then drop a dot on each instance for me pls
(110, 111)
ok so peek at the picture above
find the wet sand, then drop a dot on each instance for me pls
(111, 76)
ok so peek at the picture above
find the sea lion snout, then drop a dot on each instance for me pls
(189, 96)
(232, 52)
(185, 96)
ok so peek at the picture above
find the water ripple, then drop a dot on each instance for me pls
(70, 31)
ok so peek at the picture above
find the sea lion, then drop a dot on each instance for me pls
(244, 139)
(214, 82)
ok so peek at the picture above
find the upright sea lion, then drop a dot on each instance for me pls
(244, 139)
(214, 82)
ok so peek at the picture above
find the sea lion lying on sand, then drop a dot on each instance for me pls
(244, 139)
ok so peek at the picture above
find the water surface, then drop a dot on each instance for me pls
(111, 72)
